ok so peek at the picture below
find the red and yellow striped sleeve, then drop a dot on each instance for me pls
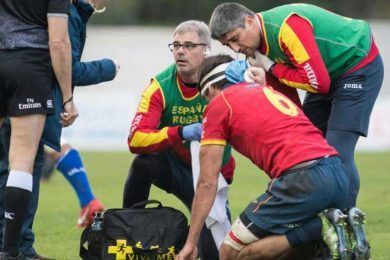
(145, 136)
(296, 38)
(213, 141)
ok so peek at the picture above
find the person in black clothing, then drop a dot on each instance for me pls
(33, 40)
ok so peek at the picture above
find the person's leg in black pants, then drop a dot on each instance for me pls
(145, 170)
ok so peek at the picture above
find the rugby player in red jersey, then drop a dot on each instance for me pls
(306, 174)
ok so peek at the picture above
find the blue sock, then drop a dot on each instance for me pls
(71, 166)
(345, 143)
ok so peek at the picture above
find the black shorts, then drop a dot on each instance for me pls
(26, 82)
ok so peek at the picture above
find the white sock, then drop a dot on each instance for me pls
(20, 179)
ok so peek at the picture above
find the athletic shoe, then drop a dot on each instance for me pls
(88, 212)
(351, 236)
(339, 221)
(356, 221)
(329, 236)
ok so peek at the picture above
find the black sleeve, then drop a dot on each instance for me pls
(58, 6)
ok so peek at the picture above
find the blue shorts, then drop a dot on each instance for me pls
(51, 134)
(348, 104)
(297, 196)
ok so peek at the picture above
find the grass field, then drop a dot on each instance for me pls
(55, 224)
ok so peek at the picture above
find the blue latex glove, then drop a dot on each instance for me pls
(235, 71)
(192, 132)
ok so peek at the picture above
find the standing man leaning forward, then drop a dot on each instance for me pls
(332, 57)
(28, 30)
(306, 174)
(169, 117)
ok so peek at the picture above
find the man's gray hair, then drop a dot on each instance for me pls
(199, 27)
(228, 17)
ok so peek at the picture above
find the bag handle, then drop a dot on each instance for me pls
(144, 203)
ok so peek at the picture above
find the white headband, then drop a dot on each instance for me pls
(213, 76)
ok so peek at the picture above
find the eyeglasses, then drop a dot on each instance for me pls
(188, 46)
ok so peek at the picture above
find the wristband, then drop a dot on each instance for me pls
(67, 101)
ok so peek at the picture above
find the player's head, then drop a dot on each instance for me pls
(236, 26)
(212, 77)
(190, 45)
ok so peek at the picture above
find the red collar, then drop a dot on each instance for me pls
(187, 92)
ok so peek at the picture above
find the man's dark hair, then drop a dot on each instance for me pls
(209, 64)
(227, 17)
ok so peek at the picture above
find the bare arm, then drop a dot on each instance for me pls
(60, 52)
(210, 166)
